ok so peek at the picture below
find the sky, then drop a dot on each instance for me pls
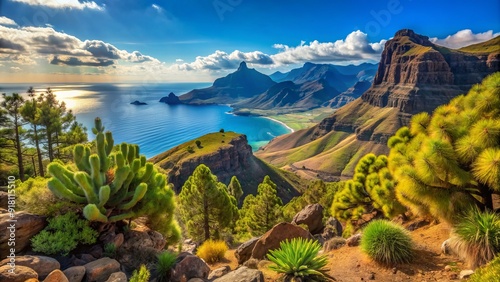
(65, 41)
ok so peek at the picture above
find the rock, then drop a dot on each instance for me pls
(56, 276)
(244, 251)
(333, 228)
(417, 224)
(20, 274)
(196, 280)
(271, 239)
(464, 274)
(252, 263)
(189, 246)
(40, 264)
(242, 274)
(371, 276)
(87, 258)
(334, 243)
(75, 273)
(353, 240)
(27, 226)
(219, 272)
(100, 270)
(117, 240)
(312, 216)
(453, 276)
(4, 199)
(189, 266)
(96, 251)
(447, 268)
(143, 239)
(79, 262)
(138, 103)
(446, 248)
(117, 277)
(171, 99)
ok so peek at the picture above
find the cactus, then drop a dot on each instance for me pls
(110, 183)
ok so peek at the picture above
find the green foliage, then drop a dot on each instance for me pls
(261, 212)
(205, 205)
(387, 242)
(476, 237)
(13, 134)
(163, 266)
(212, 251)
(114, 185)
(235, 189)
(299, 258)
(140, 275)
(487, 273)
(63, 234)
(450, 161)
(221, 130)
(109, 250)
(198, 143)
(370, 189)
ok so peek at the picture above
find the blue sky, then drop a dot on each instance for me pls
(198, 40)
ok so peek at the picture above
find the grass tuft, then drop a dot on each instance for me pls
(212, 251)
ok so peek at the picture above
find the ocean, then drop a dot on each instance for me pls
(155, 127)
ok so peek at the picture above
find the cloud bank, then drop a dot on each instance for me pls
(63, 4)
(464, 38)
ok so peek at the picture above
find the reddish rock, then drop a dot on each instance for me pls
(27, 226)
(219, 272)
(56, 276)
(40, 264)
(21, 274)
(100, 270)
(312, 216)
(280, 232)
(353, 240)
(75, 273)
(189, 266)
(117, 277)
(244, 251)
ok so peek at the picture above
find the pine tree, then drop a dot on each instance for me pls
(450, 161)
(205, 205)
(14, 131)
(31, 113)
(235, 189)
(261, 212)
(370, 190)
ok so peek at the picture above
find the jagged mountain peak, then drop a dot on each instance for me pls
(242, 67)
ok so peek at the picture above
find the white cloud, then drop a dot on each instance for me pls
(221, 60)
(355, 47)
(464, 38)
(157, 8)
(179, 60)
(16, 69)
(63, 4)
(7, 21)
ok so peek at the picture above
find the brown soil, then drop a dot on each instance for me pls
(350, 264)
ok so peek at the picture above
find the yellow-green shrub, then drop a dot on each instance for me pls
(212, 250)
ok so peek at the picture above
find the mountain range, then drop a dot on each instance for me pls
(414, 75)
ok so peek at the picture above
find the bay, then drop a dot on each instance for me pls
(155, 127)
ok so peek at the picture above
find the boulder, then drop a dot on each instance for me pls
(219, 272)
(27, 226)
(20, 274)
(464, 274)
(280, 232)
(75, 273)
(56, 276)
(354, 240)
(189, 246)
(312, 216)
(144, 239)
(117, 277)
(244, 251)
(333, 228)
(41, 264)
(189, 266)
(242, 274)
(100, 270)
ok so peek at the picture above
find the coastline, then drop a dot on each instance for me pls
(282, 123)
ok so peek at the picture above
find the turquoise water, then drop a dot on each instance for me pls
(155, 127)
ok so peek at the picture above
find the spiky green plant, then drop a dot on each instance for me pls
(450, 161)
(110, 250)
(476, 237)
(164, 265)
(114, 184)
(299, 258)
(140, 275)
(386, 242)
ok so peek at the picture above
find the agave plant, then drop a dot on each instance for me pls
(299, 258)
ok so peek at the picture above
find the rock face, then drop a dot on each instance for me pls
(27, 226)
(100, 270)
(349, 95)
(280, 232)
(241, 84)
(138, 103)
(21, 274)
(244, 251)
(242, 274)
(312, 216)
(41, 264)
(189, 266)
(171, 99)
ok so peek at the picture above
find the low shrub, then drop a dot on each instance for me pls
(476, 237)
(109, 250)
(140, 275)
(212, 251)
(487, 273)
(63, 234)
(164, 264)
(387, 242)
(299, 258)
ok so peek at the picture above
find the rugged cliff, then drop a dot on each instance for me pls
(226, 154)
(413, 75)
